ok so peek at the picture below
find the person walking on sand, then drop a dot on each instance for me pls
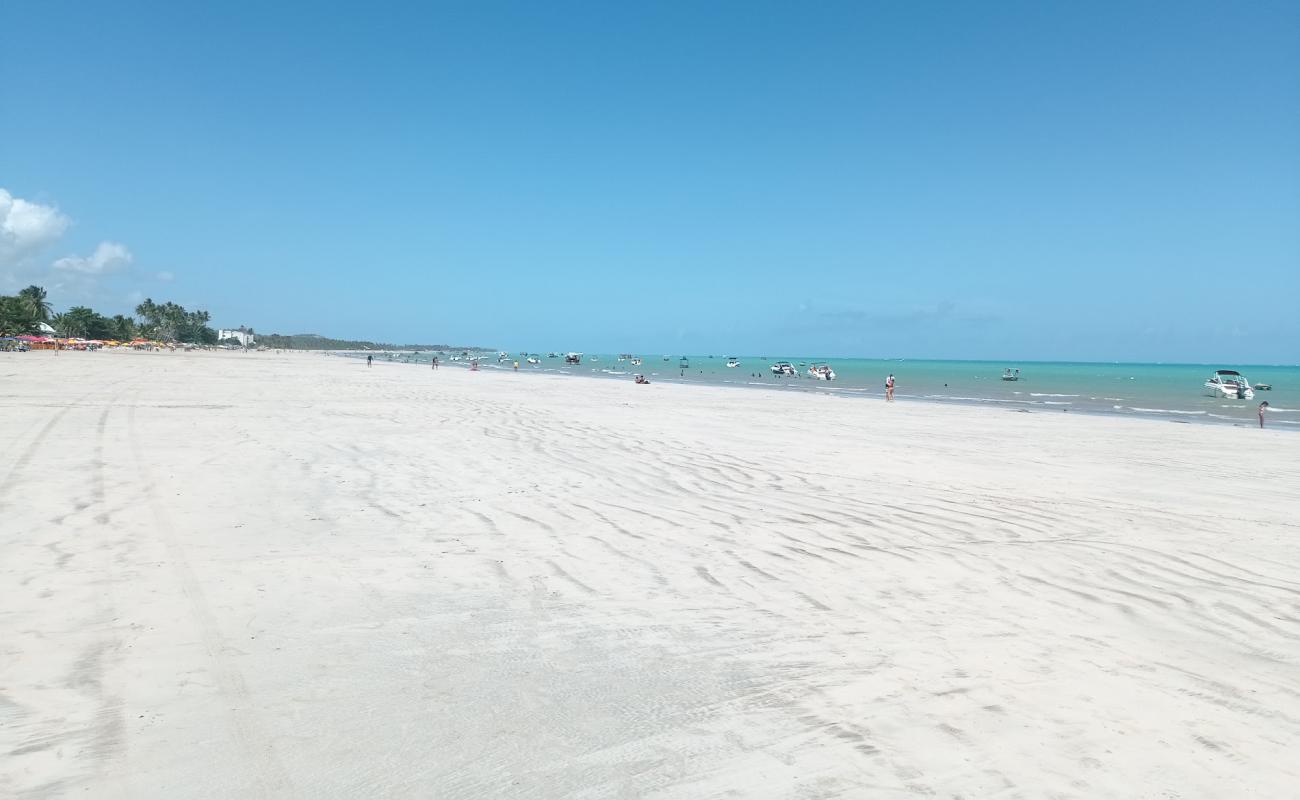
(889, 388)
(1262, 408)
(435, 362)
(369, 361)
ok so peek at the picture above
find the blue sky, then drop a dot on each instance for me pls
(1002, 180)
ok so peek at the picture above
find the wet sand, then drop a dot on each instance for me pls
(296, 576)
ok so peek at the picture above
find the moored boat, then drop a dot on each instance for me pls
(1228, 384)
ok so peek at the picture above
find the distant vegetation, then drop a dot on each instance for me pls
(168, 322)
(314, 341)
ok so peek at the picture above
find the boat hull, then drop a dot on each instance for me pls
(1229, 392)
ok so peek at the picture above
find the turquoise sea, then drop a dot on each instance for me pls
(1167, 391)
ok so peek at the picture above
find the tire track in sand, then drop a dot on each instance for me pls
(34, 446)
(271, 780)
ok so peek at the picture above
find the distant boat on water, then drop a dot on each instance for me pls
(1010, 375)
(1229, 384)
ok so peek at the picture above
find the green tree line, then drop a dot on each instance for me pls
(313, 341)
(24, 312)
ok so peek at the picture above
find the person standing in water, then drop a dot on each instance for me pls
(889, 388)
(1262, 408)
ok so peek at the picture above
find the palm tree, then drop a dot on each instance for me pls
(16, 317)
(34, 298)
(79, 321)
(123, 328)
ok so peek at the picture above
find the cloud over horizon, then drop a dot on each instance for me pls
(26, 228)
(108, 257)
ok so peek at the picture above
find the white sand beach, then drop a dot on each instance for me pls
(261, 575)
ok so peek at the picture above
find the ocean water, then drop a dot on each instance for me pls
(1166, 391)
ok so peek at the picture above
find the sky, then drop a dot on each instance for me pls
(1050, 181)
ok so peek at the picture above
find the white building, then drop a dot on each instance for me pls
(241, 335)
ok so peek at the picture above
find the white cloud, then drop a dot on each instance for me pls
(26, 227)
(108, 257)
(165, 276)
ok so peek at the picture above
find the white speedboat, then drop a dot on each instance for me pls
(1228, 384)
(821, 372)
(573, 358)
(733, 362)
(1010, 375)
(636, 362)
(783, 368)
(534, 360)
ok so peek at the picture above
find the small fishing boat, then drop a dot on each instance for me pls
(636, 362)
(732, 362)
(1228, 384)
(821, 372)
(684, 363)
(1010, 375)
(534, 360)
(1263, 387)
(783, 368)
(573, 358)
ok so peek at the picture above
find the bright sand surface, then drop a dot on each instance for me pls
(231, 575)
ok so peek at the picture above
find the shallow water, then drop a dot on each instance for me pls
(1169, 391)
